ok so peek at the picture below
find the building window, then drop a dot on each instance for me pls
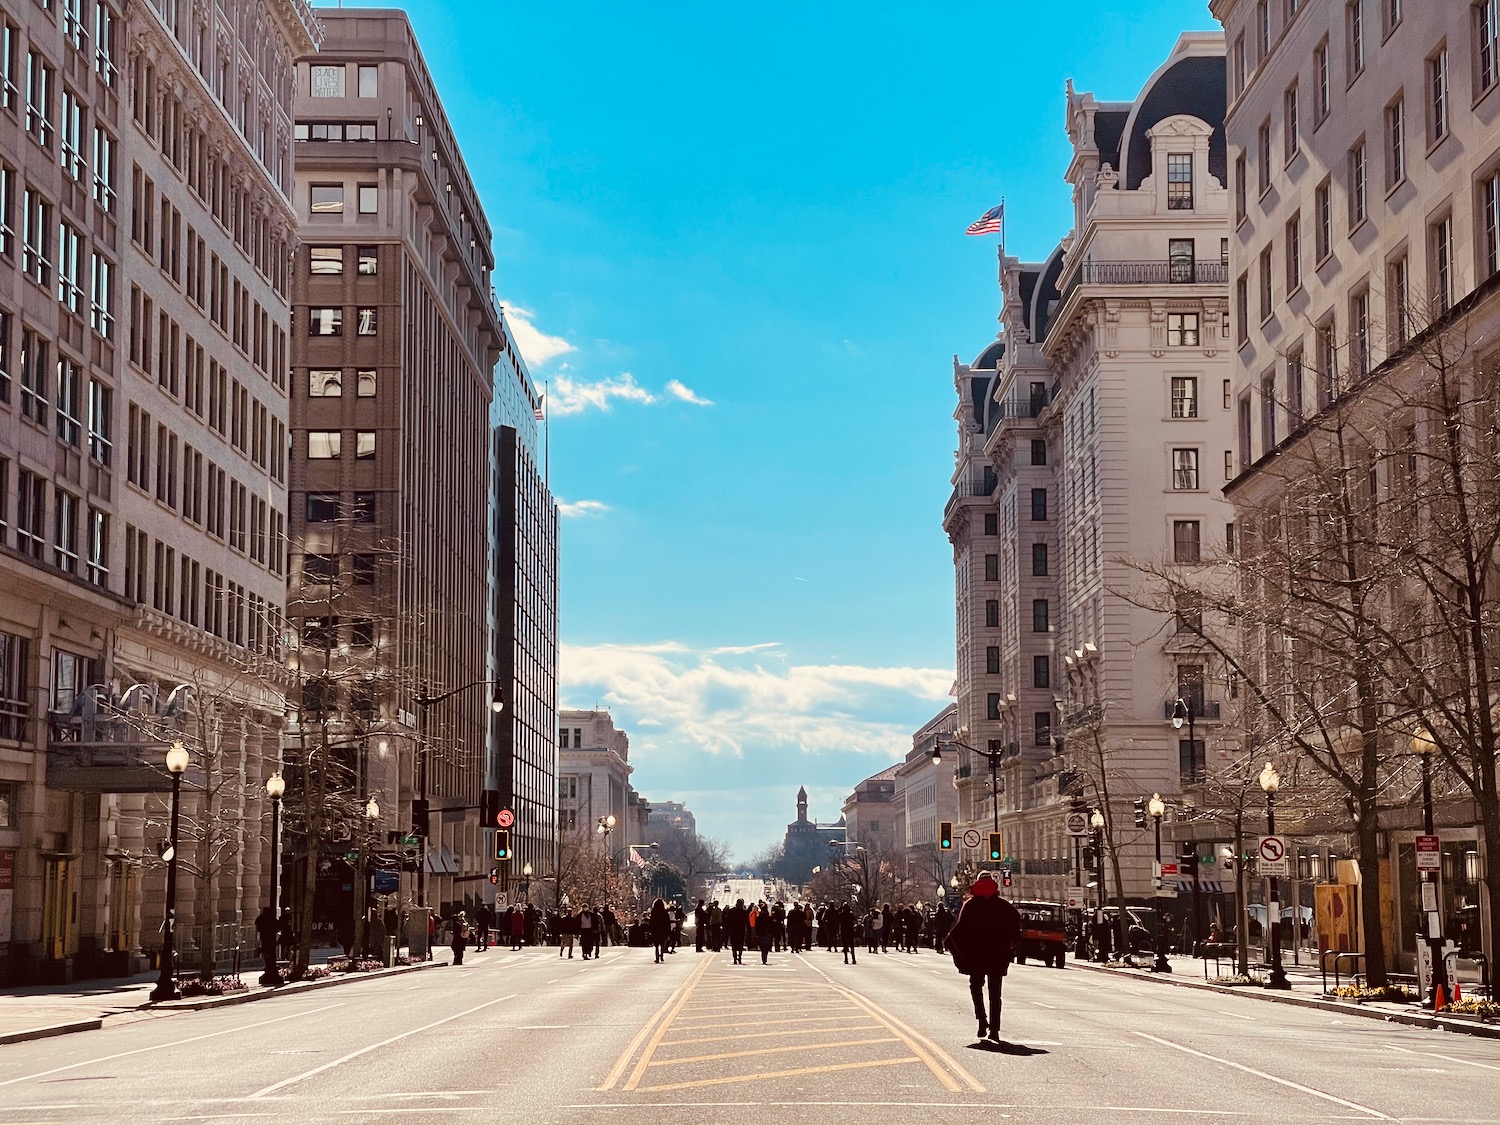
(1191, 758)
(367, 81)
(364, 445)
(39, 99)
(1359, 333)
(1041, 672)
(1291, 133)
(325, 384)
(1393, 13)
(991, 523)
(365, 325)
(323, 445)
(1242, 308)
(1186, 542)
(1265, 285)
(363, 569)
(320, 568)
(1395, 142)
(1294, 388)
(369, 199)
(1358, 186)
(327, 199)
(1241, 192)
(992, 705)
(992, 568)
(1038, 451)
(36, 232)
(369, 259)
(1241, 69)
(992, 660)
(104, 170)
(1355, 31)
(34, 395)
(1182, 331)
(992, 614)
(364, 383)
(1179, 181)
(1263, 156)
(1323, 220)
(30, 511)
(1039, 560)
(325, 261)
(1185, 470)
(1268, 411)
(1327, 364)
(1322, 99)
(362, 632)
(1041, 726)
(1040, 618)
(1038, 504)
(1440, 237)
(97, 531)
(65, 531)
(1187, 610)
(364, 507)
(1490, 197)
(1487, 34)
(101, 423)
(1184, 396)
(101, 297)
(1294, 253)
(69, 402)
(325, 322)
(1180, 264)
(1437, 96)
(1262, 30)
(322, 507)
(327, 81)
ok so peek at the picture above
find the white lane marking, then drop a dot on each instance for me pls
(1287, 1082)
(543, 1027)
(161, 1046)
(292, 1081)
(1236, 1015)
(1039, 1004)
(1447, 1058)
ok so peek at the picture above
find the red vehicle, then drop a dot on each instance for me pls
(1044, 933)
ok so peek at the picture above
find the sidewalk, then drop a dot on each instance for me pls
(1306, 991)
(41, 1011)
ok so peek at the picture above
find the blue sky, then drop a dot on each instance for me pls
(731, 240)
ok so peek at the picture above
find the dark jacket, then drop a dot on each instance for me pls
(661, 922)
(983, 940)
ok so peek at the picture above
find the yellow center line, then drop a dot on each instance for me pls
(719, 1020)
(775, 1050)
(926, 1050)
(777, 1074)
(661, 1028)
(676, 997)
(767, 1034)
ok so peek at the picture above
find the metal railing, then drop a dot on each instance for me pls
(1160, 272)
(1202, 708)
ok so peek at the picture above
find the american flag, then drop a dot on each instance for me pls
(537, 410)
(635, 858)
(990, 222)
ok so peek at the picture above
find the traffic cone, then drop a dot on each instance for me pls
(1439, 1000)
(1458, 993)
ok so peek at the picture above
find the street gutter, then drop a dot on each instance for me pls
(50, 1030)
(291, 988)
(1389, 1014)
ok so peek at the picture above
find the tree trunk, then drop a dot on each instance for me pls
(1367, 834)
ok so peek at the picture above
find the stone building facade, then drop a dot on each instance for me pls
(145, 232)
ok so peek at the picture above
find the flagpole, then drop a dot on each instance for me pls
(1002, 231)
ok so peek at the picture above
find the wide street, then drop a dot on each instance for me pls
(529, 1037)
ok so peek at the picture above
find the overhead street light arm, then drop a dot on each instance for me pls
(423, 699)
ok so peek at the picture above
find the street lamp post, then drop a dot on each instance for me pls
(1270, 781)
(1096, 822)
(1156, 807)
(275, 787)
(1184, 712)
(166, 984)
(1424, 746)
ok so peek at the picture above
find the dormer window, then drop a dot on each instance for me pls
(1180, 181)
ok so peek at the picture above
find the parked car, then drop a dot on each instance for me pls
(1044, 933)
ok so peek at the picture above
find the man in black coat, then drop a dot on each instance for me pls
(983, 943)
(736, 920)
(700, 926)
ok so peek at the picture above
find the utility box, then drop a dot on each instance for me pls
(416, 933)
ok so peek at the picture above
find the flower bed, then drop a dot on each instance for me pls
(218, 986)
(1240, 980)
(1390, 993)
(1474, 1006)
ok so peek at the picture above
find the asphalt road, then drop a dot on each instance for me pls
(529, 1037)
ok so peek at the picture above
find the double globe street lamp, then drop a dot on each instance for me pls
(275, 788)
(1157, 807)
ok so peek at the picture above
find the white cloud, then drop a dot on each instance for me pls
(687, 394)
(726, 700)
(536, 346)
(567, 508)
(567, 395)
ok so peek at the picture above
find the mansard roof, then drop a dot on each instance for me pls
(1194, 84)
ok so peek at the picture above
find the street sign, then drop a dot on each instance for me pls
(1078, 898)
(972, 838)
(1078, 824)
(410, 841)
(505, 818)
(1429, 853)
(1273, 857)
(1169, 871)
(499, 898)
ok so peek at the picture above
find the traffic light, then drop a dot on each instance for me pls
(1187, 861)
(502, 844)
(1140, 812)
(419, 816)
(491, 808)
(997, 846)
(945, 835)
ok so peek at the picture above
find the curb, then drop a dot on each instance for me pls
(293, 988)
(51, 1030)
(1410, 1019)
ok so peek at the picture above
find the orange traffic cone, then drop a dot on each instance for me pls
(1457, 992)
(1439, 1000)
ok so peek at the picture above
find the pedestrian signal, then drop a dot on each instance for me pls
(997, 846)
(502, 844)
(945, 835)
(494, 876)
(1007, 878)
(1140, 812)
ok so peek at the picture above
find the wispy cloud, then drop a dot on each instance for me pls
(568, 508)
(536, 346)
(570, 395)
(687, 394)
(731, 698)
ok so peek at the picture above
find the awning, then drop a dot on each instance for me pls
(441, 861)
(1207, 886)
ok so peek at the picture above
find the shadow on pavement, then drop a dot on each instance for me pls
(1005, 1048)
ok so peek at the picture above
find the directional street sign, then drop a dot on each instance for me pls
(1078, 824)
(1273, 857)
(972, 838)
(1429, 853)
(505, 818)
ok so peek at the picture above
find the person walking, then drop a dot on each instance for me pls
(765, 932)
(982, 944)
(700, 926)
(588, 931)
(887, 928)
(460, 939)
(517, 920)
(736, 921)
(567, 929)
(483, 918)
(286, 933)
(942, 922)
(874, 922)
(845, 923)
(661, 929)
(716, 927)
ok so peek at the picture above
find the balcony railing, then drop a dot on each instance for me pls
(1202, 708)
(1148, 273)
(106, 756)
